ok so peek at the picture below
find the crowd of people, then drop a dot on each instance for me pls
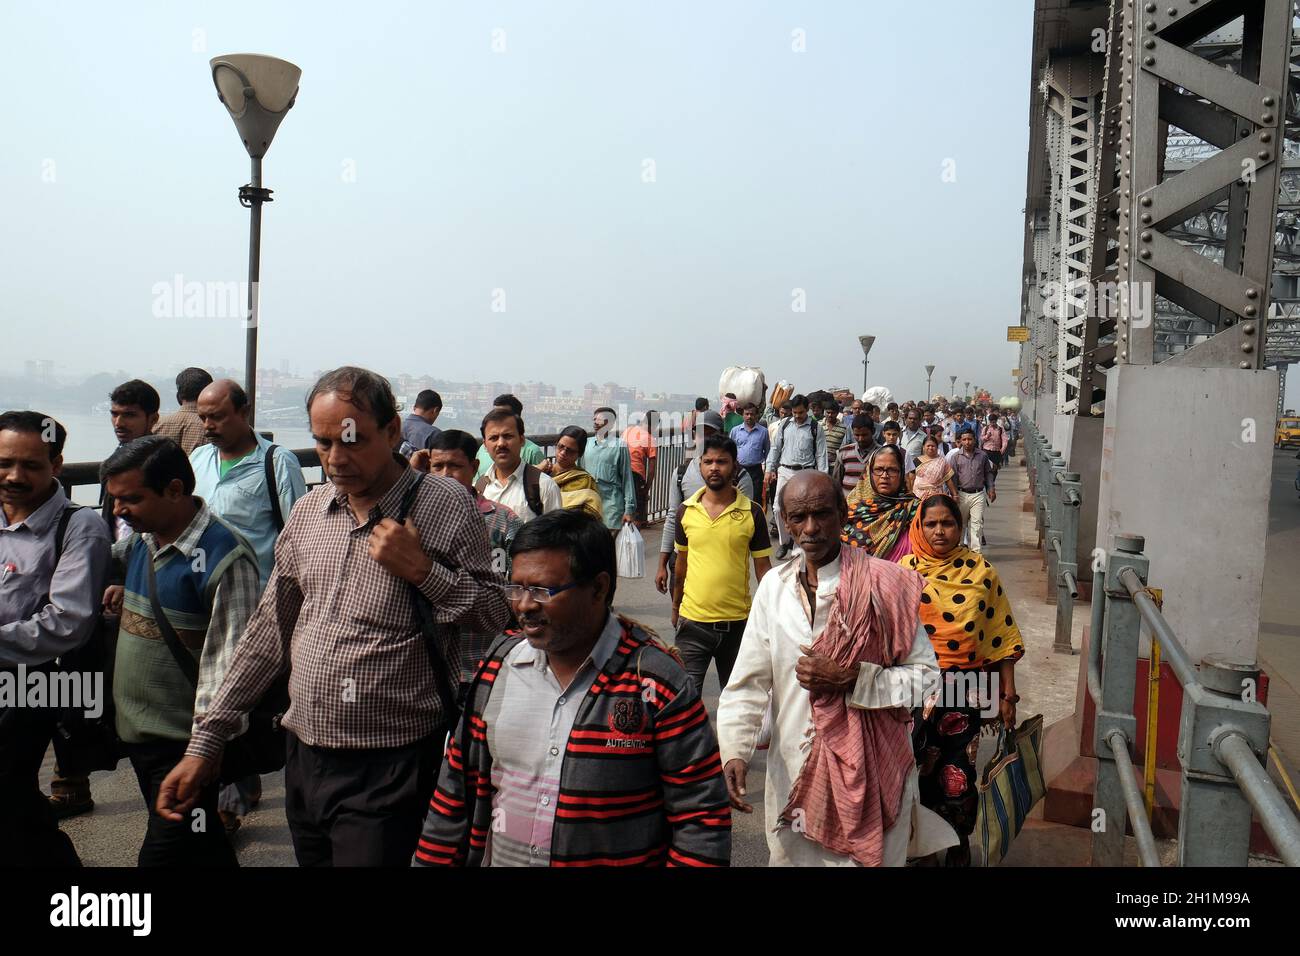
(434, 628)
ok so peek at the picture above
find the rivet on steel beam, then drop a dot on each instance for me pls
(1124, 354)
(1151, 8)
(1150, 61)
(1172, 11)
(1126, 194)
(1249, 310)
(1145, 253)
(1248, 328)
(1268, 101)
(1248, 347)
(1244, 365)
(1146, 200)
(1128, 153)
(1266, 137)
(1146, 237)
(1150, 44)
(1151, 24)
(1146, 218)
(1129, 58)
(1123, 338)
(1252, 293)
(1266, 118)
(1263, 154)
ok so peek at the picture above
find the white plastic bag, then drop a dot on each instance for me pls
(629, 546)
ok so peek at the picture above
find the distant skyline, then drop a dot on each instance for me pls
(650, 193)
(650, 189)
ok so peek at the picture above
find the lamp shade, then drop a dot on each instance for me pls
(258, 91)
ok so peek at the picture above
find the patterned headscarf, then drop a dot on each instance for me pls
(878, 522)
(963, 607)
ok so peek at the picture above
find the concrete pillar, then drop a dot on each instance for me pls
(1177, 468)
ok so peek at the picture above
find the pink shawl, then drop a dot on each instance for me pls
(848, 792)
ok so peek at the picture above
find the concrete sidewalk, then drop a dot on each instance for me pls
(110, 836)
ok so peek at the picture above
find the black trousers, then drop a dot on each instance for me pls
(756, 476)
(197, 840)
(642, 496)
(701, 643)
(29, 833)
(359, 807)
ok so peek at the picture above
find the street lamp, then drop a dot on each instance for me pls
(966, 394)
(257, 91)
(952, 386)
(929, 372)
(866, 341)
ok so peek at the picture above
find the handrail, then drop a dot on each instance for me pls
(1096, 624)
(1146, 841)
(1173, 649)
(1233, 751)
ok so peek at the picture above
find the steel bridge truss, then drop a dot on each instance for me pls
(1165, 176)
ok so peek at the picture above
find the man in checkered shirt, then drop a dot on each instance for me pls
(365, 723)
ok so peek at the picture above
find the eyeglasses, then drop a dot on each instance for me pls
(885, 472)
(516, 592)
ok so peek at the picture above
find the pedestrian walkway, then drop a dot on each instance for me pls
(110, 836)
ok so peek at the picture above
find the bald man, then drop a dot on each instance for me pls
(252, 485)
(840, 695)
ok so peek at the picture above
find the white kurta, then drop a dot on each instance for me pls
(778, 625)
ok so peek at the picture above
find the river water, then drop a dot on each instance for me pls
(91, 438)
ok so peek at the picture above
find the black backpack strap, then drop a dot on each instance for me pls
(61, 531)
(276, 514)
(188, 665)
(533, 489)
(681, 475)
(447, 694)
(481, 484)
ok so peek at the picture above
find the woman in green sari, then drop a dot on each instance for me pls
(578, 489)
(881, 508)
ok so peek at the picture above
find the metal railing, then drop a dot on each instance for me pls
(1057, 496)
(670, 448)
(1222, 739)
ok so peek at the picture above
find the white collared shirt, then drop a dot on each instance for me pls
(511, 492)
(778, 625)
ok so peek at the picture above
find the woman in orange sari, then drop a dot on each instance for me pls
(968, 616)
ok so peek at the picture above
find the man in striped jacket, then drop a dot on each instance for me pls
(583, 742)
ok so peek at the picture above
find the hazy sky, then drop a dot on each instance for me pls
(421, 170)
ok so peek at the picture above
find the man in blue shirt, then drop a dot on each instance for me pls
(608, 460)
(230, 474)
(753, 442)
(418, 429)
(49, 605)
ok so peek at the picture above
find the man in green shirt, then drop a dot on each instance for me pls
(608, 460)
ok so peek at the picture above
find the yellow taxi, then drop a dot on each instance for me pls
(1288, 432)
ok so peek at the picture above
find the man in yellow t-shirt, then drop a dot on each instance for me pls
(719, 531)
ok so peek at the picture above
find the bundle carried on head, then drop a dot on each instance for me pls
(781, 393)
(746, 382)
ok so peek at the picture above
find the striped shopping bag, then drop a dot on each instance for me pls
(1010, 786)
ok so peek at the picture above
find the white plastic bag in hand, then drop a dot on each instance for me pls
(630, 549)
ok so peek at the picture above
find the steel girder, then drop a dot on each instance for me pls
(1163, 83)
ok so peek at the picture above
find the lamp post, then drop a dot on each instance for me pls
(929, 373)
(257, 91)
(866, 341)
(966, 394)
(952, 386)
